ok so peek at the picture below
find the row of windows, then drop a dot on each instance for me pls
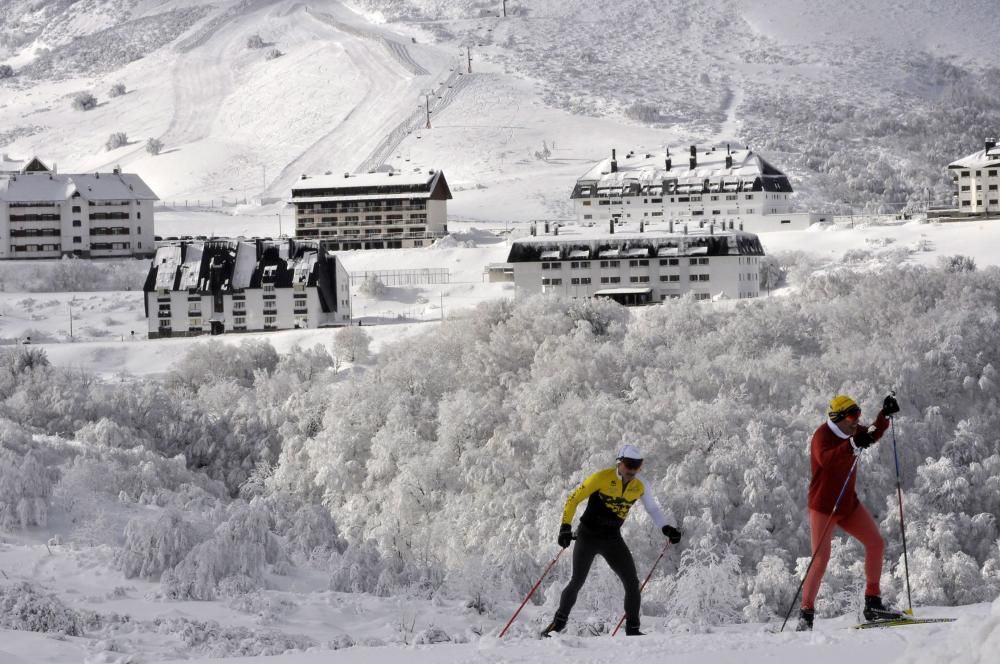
(993, 201)
(990, 173)
(640, 262)
(635, 279)
(979, 187)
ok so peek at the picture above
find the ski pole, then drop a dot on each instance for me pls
(902, 525)
(530, 593)
(829, 522)
(643, 586)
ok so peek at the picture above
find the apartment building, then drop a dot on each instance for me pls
(223, 286)
(714, 184)
(372, 211)
(44, 214)
(977, 181)
(641, 268)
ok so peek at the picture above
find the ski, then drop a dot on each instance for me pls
(901, 621)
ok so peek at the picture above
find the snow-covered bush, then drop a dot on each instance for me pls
(116, 140)
(25, 489)
(153, 547)
(235, 554)
(211, 640)
(255, 41)
(84, 101)
(957, 263)
(117, 90)
(24, 607)
(372, 286)
(706, 590)
(154, 146)
(272, 53)
(215, 361)
(6, 71)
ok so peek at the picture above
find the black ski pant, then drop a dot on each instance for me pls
(613, 549)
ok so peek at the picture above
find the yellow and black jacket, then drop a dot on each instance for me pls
(609, 502)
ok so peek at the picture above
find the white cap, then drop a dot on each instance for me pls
(629, 452)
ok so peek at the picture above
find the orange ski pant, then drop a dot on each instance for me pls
(858, 524)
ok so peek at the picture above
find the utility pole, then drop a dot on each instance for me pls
(279, 223)
(427, 109)
(468, 59)
(505, 8)
(71, 320)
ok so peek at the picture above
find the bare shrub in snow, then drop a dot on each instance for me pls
(24, 359)
(153, 547)
(644, 112)
(372, 286)
(350, 344)
(6, 71)
(957, 263)
(84, 101)
(255, 41)
(272, 54)
(772, 273)
(210, 639)
(117, 90)
(24, 607)
(116, 140)
(154, 146)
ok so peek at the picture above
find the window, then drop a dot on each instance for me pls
(586, 203)
(992, 174)
(239, 322)
(993, 187)
(605, 280)
(270, 322)
(556, 266)
(557, 282)
(657, 200)
(76, 208)
(965, 174)
(239, 305)
(693, 277)
(616, 280)
(584, 280)
(697, 213)
(604, 202)
(702, 296)
(702, 261)
(164, 325)
(77, 239)
(639, 279)
(965, 187)
(966, 203)
(703, 277)
(748, 197)
(588, 216)
(76, 223)
(670, 277)
(638, 263)
(575, 281)
(669, 261)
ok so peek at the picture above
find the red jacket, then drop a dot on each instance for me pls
(832, 458)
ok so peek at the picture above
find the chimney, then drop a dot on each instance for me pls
(728, 151)
(642, 226)
(991, 143)
(692, 162)
(669, 162)
(611, 226)
(694, 151)
(729, 161)
(614, 162)
(555, 229)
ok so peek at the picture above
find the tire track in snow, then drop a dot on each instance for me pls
(398, 51)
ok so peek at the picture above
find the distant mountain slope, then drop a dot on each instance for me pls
(866, 101)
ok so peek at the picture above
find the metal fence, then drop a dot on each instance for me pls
(426, 275)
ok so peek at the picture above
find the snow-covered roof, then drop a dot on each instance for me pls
(698, 242)
(623, 291)
(9, 165)
(166, 261)
(430, 184)
(723, 169)
(28, 187)
(246, 263)
(190, 272)
(987, 157)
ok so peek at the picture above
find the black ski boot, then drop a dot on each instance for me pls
(875, 611)
(805, 623)
(633, 631)
(557, 625)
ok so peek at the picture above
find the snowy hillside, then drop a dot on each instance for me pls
(863, 102)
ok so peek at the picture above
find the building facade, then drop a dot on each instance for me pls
(224, 286)
(736, 186)
(44, 214)
(977, 181)
(641, 268)
(372, 211)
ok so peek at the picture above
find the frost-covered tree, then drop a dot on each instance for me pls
(272, 53)
(117, 90)
(151, 547)
(372, 286)
(154, 146)
(255, 41)
(350, 344)
(6, 71)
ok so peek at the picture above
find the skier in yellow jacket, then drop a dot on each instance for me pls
(610, 493)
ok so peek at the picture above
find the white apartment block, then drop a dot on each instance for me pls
(44, 214)
(641, 268)
(372, 211)
(721, 185)
(977, 181)
(222, 286)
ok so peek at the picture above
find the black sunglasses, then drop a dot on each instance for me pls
(631, 464)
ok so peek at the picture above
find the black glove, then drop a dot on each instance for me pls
(671, 534)
(565, 535)
(863, 439)
(890, 406)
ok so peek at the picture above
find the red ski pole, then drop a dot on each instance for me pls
(532, 592)
(643, 586)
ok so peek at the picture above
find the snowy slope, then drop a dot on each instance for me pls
(582, 77)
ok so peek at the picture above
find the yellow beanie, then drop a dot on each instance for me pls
(839, 405)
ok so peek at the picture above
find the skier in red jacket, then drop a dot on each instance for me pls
(834, 446)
